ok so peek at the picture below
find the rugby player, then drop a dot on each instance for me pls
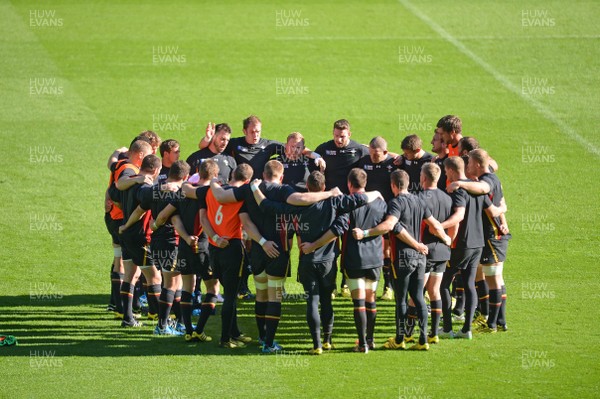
(215, 151)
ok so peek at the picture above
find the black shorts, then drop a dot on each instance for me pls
(368, 274)
(112, 226)
(228, 260)
(164, 256)
(190, 262)
(494, 251)
(435, 266)
(464, 258)
(408, 260)
(317, 274)
(276, 267)
(135, 248)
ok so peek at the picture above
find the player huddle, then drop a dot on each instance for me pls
(427, 222)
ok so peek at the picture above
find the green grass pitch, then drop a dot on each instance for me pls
(79, 79)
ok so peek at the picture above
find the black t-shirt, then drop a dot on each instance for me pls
(226, 163)
(130, 201)
(470, 230)
(378, 175)
(442, 181)
(366, 253)
(272, 226)
(491, 226)
(189, 211)
(339, 162)
(256, 155)
(155, 200)
(440, 206)
(314, 220)
(295, 172)
(413, 168)
(410, 210)
(164, 174)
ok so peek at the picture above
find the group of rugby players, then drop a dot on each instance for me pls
(432, 223)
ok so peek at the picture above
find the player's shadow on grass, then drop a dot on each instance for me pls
(79, 325)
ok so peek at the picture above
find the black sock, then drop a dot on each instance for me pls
(260, 311)
(436, 311)
(126, 301)
(137, 292)
(177, 307)
(387, 273)
(371, 308)
(116, 279)
(208, 304)
(459, 306)
(272, 317)
(495, 304)
(186, 306)
(483, 293)
(313, 319)
(360, 320)
(326, 315)
(152, 293)
(411, 320)
(502, 314)
(164, 307)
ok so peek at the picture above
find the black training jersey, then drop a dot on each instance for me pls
(491, 226)
(339, 162)
(413, 168)
(440, 206)
(189, 211)
(314, 220)
(378, 175)
(368, 252)
(154, 199)
(442, 182)
(273, 226)
(410, 210)
(226, 163)
(295, 172)
(164, 174)
(256, 155)
(130, 201)
(470, 230)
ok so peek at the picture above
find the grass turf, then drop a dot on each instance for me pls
(73, 93)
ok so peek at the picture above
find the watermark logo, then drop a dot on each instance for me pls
(44, 19)
(168, 123)
(413, 392)
(167, 393)
(536, 19)
(290, 86)
(44, 292)
(291, 359)
(167, 260)
(413, 123)
(44, 222)
(536, 153)
(536, 359)
(290, 19)
(292, 295)
(44, 359)
(44, 154)
(288, 222)
(536, 290)
(45, 87)
(537, 223)
(167, 55)
(537, 87)
(413, 55)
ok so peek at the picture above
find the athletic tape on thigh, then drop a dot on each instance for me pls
(493, 270)
(117, 252)
(259, 284)
(371, 285)
(276, 283)
(356, 283)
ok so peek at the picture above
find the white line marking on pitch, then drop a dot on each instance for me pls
(541, 108)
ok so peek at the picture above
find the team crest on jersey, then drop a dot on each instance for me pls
(330, 152)
(390, 168)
